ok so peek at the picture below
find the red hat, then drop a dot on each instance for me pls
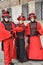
(21, 18)
(31, 15)
(6, 14)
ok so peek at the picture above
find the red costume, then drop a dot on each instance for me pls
(20, 42)
(7, 35)
(34, 30)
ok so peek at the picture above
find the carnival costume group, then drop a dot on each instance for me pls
(13, 37)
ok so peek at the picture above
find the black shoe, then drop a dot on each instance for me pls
(11, 63)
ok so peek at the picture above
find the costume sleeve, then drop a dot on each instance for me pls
(4, 34)
(39, 27)
(19, 29)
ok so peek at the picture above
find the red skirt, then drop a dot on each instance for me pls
(34, 50)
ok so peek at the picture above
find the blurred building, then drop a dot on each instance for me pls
(16, 7)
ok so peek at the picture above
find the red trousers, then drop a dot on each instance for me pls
(8, 51)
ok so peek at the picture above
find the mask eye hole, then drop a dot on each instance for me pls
(6, 17)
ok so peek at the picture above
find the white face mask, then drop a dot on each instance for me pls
(6, 19)
(32, 19)
(21, 22)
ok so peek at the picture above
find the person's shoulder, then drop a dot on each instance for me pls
(1, 23)
(13, 23)
(27, 24)
(38, 22)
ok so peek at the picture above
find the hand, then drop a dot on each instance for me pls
(37, 32)
(13, 34)
(28, 39)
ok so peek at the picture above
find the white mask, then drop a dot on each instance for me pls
(6, 19)
(21, 22)
(32, 19)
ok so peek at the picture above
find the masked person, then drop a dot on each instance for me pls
(7, 34)
(20, 41)
(33, 29)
